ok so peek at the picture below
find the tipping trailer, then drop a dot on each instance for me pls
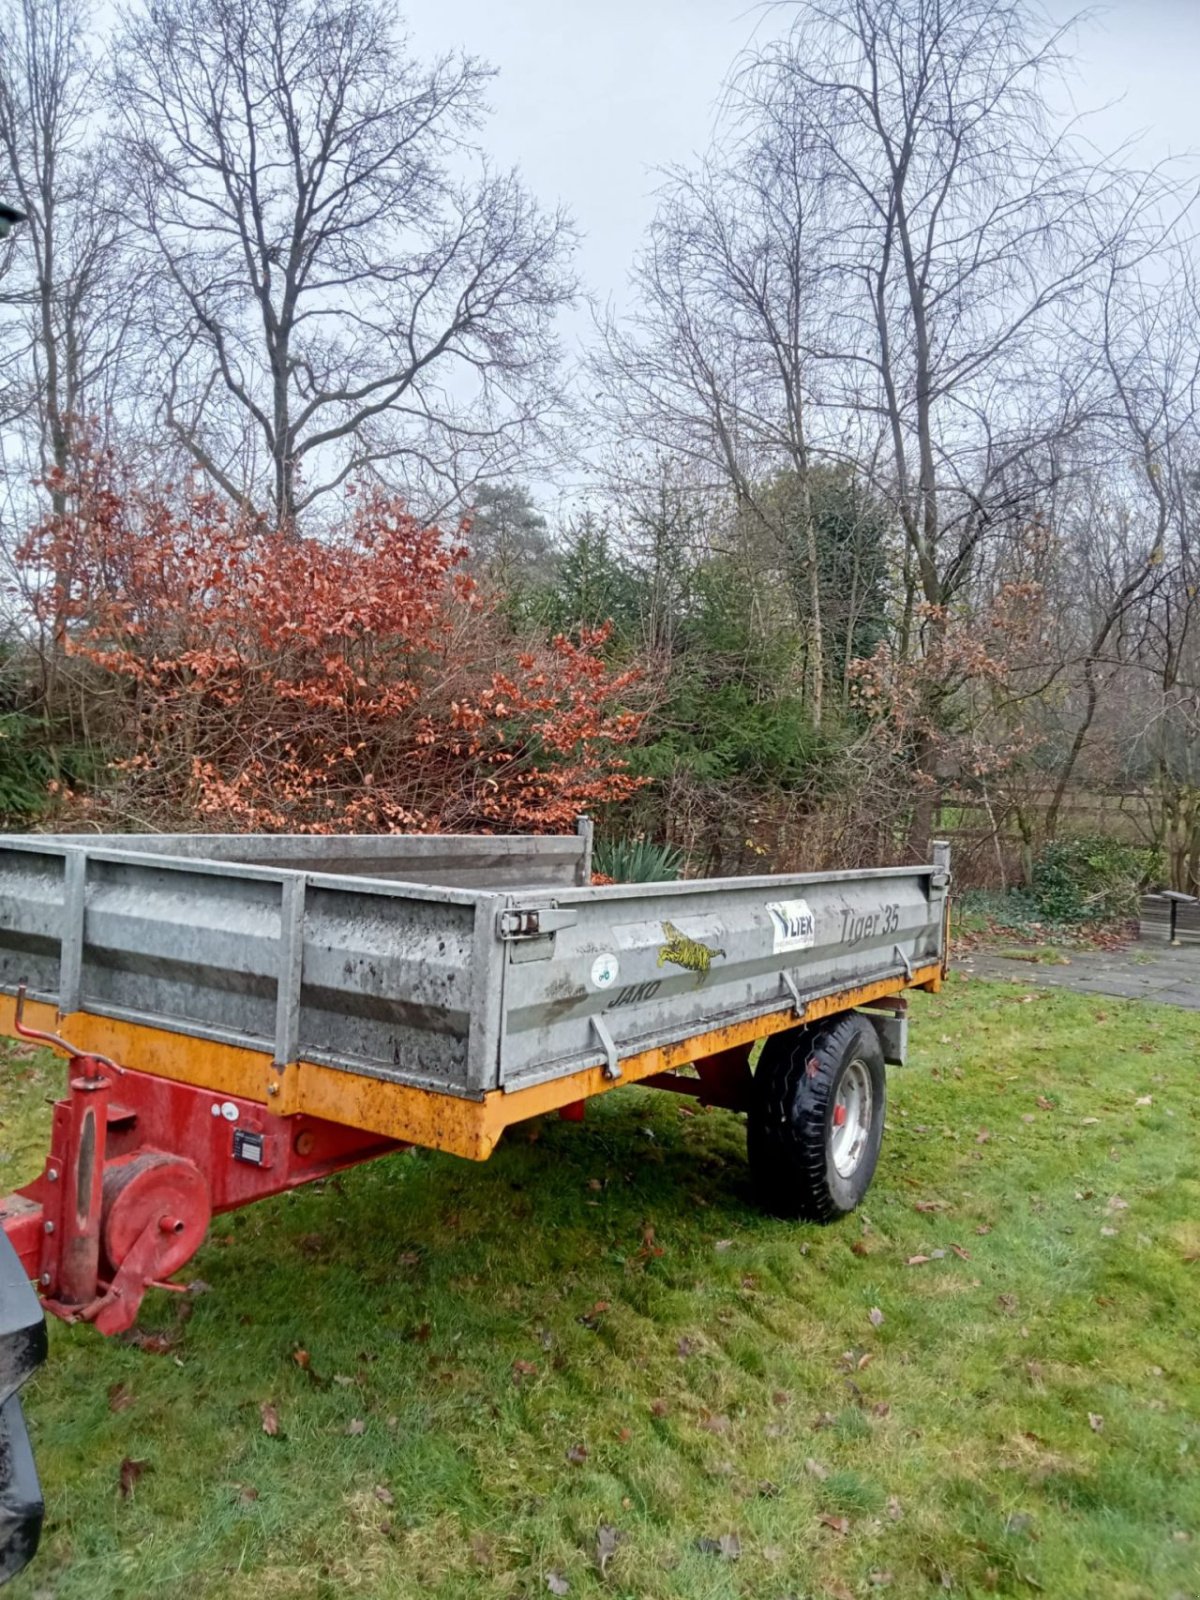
(244, 1014)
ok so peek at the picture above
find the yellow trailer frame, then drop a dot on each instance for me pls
(464, 1127)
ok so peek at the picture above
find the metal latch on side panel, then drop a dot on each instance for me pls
(530, 930)
(533, 922)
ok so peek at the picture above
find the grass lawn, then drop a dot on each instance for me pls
(592, 1368)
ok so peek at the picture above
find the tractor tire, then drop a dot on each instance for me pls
(816, 1115)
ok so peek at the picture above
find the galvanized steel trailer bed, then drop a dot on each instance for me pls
(245, 1014)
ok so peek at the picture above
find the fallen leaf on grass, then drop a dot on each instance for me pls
(356, 1427)
(270, 1419)
(577, 1454)
(983, 1136)
(1007, 1302)
(838, 1524)
(858, 1248)
(1144, 1100)
(591, 1319)
(247, 1494)
(1117, 1204)
(875, 1317)
(557, 1584)
(607, 1540)
(918, 1261)
(880, 1579)
(687, 1347)
(131, 1471)
(659, 1408)
(838, 1591)
(152, 1344)
(894, 1509)
(718, 1424)
(384, 1495)
(1043, 1104)
(963, 1255)
(816, 1470)
(728, 1547)
(302, 1359)
(1095, 1422)
(1089, 1122)
(855, 1361)
(930, 1205)
(120, 1398)
(522, 1370)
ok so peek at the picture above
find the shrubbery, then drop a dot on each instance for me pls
(256, 680)
(1090, 878)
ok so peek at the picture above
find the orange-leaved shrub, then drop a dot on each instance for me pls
(354, 682)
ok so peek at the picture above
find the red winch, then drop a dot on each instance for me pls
(138, 1165)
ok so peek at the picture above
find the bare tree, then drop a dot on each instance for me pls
(352, 288)
(1150, 343)
(974, 232)
(716, 362)
(69, 305)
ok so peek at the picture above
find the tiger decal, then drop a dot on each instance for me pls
(684, 952)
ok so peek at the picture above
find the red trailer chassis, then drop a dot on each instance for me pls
(138, 1166)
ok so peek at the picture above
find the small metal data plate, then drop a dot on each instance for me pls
(248, 1146)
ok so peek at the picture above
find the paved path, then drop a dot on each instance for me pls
(1139, 972)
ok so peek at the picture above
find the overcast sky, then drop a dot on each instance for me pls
(593, 95)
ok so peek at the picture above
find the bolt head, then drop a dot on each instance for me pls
(44, 1280)
(48, 1227)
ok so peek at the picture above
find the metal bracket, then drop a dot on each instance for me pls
(905, 962)
(532, 922)
(789, 983)
(612, 1066)
(940, 877)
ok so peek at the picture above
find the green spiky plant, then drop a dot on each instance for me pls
(637, 860)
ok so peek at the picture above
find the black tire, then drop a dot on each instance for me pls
(798, 1166)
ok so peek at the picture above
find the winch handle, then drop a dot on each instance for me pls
(54, 1040)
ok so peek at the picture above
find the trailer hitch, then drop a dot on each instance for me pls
(109, 1229)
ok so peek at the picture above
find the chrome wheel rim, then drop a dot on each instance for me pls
(850, 1121)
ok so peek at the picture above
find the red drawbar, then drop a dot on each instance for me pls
(137, 1166)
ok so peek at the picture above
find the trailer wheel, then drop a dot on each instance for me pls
(816, 1118)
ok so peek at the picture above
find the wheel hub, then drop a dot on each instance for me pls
(851, 1119)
